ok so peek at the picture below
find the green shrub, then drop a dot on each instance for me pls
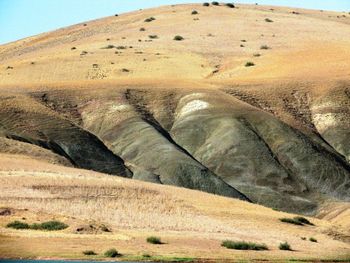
(18, 225)
(153, 36)
(206, 4)
(154, 240)
(89, 253)
(112, 253)
(268, 20)
(284, 246)
(303, 238)
(150, 19)
(146, 255)
(215, 3)
(313, 239)
(230, 5)
(242, 245)
(178, 38)
(194, 12)
(258, 55)
(142, 29)
(249, 64)
(49, 226)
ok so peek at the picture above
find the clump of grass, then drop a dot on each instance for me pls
(112, 253)
(83, 53)
(230, 5)
(18, 225)
(258, 55)
(89, 253)
(215, 3)
(153, 36)
(242, 245)
(298, 220)
(121, 47)
(284, 246)
(206, 4)
(146, 255)
(178, 38)
(249, 64)
(154, 240)
(268, 20)
(313, 239)
(125, 70)
(142, 29)
(49, 226)
(303, 238)
(194, 12)
(108, 47)
(150, 19)
(73, 48)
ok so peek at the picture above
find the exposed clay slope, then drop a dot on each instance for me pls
(189, 113)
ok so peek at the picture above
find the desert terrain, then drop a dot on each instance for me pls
(108, 122)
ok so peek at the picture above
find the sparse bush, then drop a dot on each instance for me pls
(116, 15)
(303, 220)
(249, 64)
(268, 20)
(150, 19)
(258, 55)
(313, 239)
(153, 36)
(284, 246)
(89, 253)
(242, 245)
(154, 240)
(298, 220)
(142, 29)
(264, 47)
(206, 4)
(178, 38)
(83, 53)
(120, 47)
(49, 226)
(194, 12)
(108, 47)
(73, 48)
(303, 238)
(18, 225)
(215, 3)
(125, 70)
(112, 253)
(230, 5)
(146, 255)
(241, 45)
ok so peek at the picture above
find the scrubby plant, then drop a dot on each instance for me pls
(18, 225)
(284, 246)
(206, 4)
(249, 64)
(49, 226)
(108, 47)
(73, 48)
(178, 38)
(298, 220)
(150, 19)
(194, 12)
(146, 255)
(242, 245)
(153, 36)
(313, 239)
(264, 47)
(89, 253)
(112, 253)
(230, 5)
(121, 47)
(215, 3)
(303, 238)
(258, 55)
(125, 70)
(142, 29)
(268, 20)
(154, 240)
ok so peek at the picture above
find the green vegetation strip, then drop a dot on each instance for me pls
(48, 226)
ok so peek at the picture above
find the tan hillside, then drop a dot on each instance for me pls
(252, 104)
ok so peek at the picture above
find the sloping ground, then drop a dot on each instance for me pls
(191, 227)
(105, 96)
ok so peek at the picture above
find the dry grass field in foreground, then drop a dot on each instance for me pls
(192, 224)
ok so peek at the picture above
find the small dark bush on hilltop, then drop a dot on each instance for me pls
(242, 245)
(215, 3)
(194, 12)
(154, 240)
(284, 246)
(206, 4)
(178, 38)
(150, 19)
(230, 5)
